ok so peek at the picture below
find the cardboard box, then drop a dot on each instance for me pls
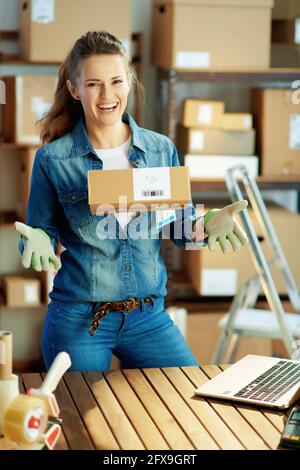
(202, 113)
(287, 31)
(217, 274)
(285, 9)
(203, 335)
(145, 188)
(24, 176)
(277, 123)
(21, 291)
(215, 142)
(215, 166)
(237, 121)
(211, 34)
(47, 280)
(48, 30)
(29, 98)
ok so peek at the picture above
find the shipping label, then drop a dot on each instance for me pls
(197, 141)
(164, 217)
(30, 293)
(218, 281)
(294, 135)
(151, 184)
(43, 11)
(205, 114)
(297, 31)
(193, 60)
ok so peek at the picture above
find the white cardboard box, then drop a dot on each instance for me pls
(215, 166)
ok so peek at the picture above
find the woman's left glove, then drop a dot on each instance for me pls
(220, 226)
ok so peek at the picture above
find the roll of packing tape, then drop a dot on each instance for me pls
(25, 420)
(9, 390)
(5, 355)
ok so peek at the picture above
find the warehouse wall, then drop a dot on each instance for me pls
(141, 22)
(236, 97)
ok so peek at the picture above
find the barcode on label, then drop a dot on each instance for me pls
(151, 193)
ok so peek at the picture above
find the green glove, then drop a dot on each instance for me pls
(38, 251)
(220, 226)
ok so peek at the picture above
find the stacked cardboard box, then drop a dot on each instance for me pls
(21, 291)
(285, 50)
(49, 29)
(25, 162)
(29, 98)
(210, 141)
(24, 176)
(285, 9)
(211, 34)
(47, 279)
(277, 121)
(216, 274)
(203, 334)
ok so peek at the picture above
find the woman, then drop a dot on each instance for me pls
(108, 294)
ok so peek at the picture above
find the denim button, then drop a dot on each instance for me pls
(128, 268)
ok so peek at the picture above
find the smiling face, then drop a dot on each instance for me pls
(102, 87)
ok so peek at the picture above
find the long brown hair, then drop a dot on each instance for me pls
(65, 110)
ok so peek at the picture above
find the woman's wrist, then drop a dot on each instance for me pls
(198, 230)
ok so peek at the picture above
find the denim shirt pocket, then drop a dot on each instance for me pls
(76, 208)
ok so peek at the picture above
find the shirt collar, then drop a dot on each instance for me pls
(82, 143)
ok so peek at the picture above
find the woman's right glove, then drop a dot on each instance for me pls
(221, 227)
(38, 251)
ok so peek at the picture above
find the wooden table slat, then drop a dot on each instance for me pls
(90, 413)
(35, 381)
(138, 409)
(136, 413)
(181, 412)
(164, 420)
(232, 418)
(73, 427)
(204, 412)
(120, 425)
(262, 426)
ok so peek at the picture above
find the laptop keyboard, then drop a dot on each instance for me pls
(273, 383)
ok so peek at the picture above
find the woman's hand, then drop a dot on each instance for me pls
(38, 251)
(220, 226)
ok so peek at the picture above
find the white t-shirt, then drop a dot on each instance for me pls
(117, 159)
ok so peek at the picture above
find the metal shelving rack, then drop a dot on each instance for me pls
(281, 77)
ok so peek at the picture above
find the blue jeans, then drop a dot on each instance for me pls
(145, 337)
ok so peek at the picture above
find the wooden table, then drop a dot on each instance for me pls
(156, 409)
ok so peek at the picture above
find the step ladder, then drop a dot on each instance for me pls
(243, 319)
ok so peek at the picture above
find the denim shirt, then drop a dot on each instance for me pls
(98, 266)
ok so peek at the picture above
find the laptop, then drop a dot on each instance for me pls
(257, 380)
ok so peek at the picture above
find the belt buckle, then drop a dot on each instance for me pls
(133, 303)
